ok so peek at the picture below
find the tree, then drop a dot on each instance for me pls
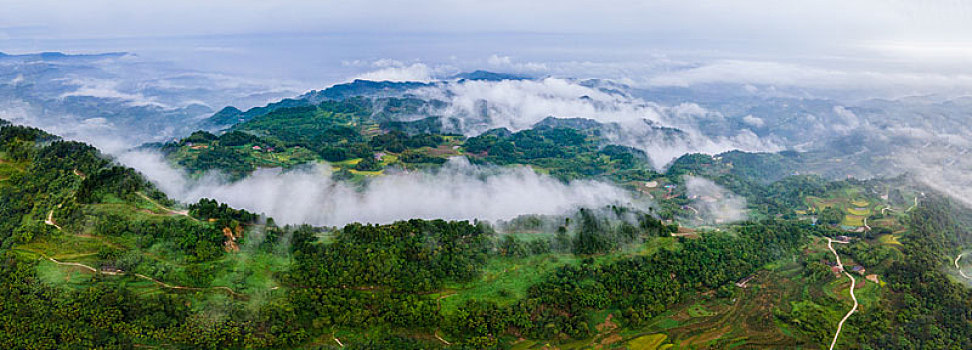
(831, 216)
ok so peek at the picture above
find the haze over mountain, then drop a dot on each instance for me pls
(485, 175)
(105, 99)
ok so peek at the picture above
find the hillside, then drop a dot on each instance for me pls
(94, 256)
(349, 136)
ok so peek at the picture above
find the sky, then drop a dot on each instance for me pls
(317, 42)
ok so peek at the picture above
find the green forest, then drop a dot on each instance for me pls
(355, 138)
(95, 256)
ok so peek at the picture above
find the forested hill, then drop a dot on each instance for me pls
(352, 136)
(93, 256)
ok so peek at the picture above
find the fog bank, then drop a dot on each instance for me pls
(712, 203)
(663, 132)
(457, 191)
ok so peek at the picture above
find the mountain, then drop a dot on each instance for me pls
(116, 99)
(226, 117)
(360, 87)
(94, 248)
(486, 75)
(52, 56)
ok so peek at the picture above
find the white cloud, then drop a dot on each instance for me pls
(507, 64)
(519, 104)
(713, 204)
(397, 71)
(457, 191)
(103, 88)
(879, 80)
(754, 121)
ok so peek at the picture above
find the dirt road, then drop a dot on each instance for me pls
(144, 277)
(959, 257)
(50, 220)
(913, 206)
(157, 204)
(853, 297)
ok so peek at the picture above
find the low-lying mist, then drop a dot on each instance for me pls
(713, 204)
(457, 191)
(663, 132)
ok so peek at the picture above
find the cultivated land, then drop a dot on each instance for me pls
(593, 282)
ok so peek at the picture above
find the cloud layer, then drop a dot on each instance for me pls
(713, 204)
(458, 191)
(519, 104)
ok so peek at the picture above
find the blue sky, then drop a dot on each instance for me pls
(828, 42)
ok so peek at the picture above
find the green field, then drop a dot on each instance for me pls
(504, 280)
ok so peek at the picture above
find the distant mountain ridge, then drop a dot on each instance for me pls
(55, 55)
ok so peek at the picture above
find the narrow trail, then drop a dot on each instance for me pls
(959, 257)
(913, 206)
(438, 301)
(157, 204)
(865, 224)
(694, 210)
(83, 266)
(170, 286)
(160, 283)
(436, 333)
(853, 283)
(50, 220)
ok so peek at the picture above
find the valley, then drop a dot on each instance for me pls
(593, 279)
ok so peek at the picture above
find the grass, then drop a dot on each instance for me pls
(367, 173)
(66, 247)
(697, 310)
(852, 220)
(647, 342)
(652, 246)
(8, 168)
(666, 323)
(523, 345)
(889, 239)
(62, 276)
(868, 295)
(347, 162)
(506, 280)
(249, 272)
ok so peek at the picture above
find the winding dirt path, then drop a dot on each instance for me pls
(959, 257)
(160, 283)
(853, 297)
(157, 204)
(913, 206)
(438, 302)
(50, 220)
(170, 286)
(693, 209)
(436, 333)
(83, 266)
